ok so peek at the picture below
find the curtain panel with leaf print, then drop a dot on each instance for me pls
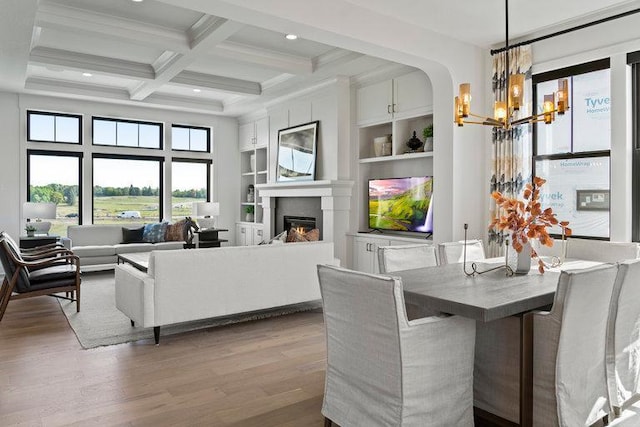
(512, 148)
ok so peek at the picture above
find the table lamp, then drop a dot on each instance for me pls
(206, 213)
(34, 213)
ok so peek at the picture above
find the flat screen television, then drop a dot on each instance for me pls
(401, 204)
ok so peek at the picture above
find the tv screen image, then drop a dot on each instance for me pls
(401, 204)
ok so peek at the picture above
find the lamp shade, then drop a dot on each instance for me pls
(206, 209)
(33, 210)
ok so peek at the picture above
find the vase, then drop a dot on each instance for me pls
(31, 233)
(523, 264)
(379, 146)
(252, 162)
(248, 217)
(428, 144)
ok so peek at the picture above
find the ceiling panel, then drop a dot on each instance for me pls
(212, 64)
(57, 73)
(275, 41)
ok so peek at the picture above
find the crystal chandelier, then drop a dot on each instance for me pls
(504, 111)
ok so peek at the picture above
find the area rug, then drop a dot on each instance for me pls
(100, 323)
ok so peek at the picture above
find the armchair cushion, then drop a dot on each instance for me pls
(61, 271)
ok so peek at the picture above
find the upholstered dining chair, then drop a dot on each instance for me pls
(44, 276)
(406, 257)
(453, 252)
(569, 382)
(599, 250)
(623, 346)
(383, 370)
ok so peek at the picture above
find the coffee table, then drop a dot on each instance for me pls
(139, 260)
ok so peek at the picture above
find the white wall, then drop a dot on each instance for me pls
(13, 148)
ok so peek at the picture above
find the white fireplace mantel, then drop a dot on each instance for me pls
(335, 204)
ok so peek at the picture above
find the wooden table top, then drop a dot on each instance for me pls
(485, 297)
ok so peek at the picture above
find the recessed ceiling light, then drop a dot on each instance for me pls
(291, 37)
(197, 90)
(137, 1)
(87, 74)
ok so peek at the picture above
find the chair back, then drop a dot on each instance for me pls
(8, 258)
(599, 250)
(581, 306)
(623, 336)
(362, 315)
(406, 257)
(453, 252)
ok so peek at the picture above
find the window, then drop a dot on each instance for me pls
(54, 177)
(633, 59)
(54, 127)
(190, 138)
(189, 184)
(127, 133)
(126, 189)
(572, 154)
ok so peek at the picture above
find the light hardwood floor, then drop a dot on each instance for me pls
(263, 373)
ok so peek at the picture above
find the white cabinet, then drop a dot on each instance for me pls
(248, 234)
(365, 250)
(254, 134)
(407, 95)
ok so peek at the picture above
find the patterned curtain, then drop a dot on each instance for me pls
(512, 149)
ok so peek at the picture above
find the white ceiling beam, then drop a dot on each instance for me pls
(335, 57)
(16, 31)
(204, 35)
(102, 93)
(57, 16)
(226, 84)
(84, 62)
(290, 64)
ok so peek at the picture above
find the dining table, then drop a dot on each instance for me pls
(487, 297)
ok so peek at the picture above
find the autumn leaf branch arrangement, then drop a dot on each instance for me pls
(526, 220)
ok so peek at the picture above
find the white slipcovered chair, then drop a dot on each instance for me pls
(383, 370)
(599, 250)
(406, 257)
(453, 252)
(623, 346)
(569, 383)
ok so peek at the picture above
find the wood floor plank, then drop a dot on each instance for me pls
(268, 372)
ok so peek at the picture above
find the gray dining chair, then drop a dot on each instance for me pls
(623, 346)
(384, 370)
(569, 382)
(453, 252)
(406, 257)
(600, 250)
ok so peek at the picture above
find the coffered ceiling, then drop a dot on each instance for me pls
(159, 53)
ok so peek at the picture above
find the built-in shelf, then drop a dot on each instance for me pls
(247, 174)
(247, 203)
(406, 156)
(262, 172)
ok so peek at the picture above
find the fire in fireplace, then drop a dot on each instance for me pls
(301, 224)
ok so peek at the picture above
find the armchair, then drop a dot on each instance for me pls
(38, 276)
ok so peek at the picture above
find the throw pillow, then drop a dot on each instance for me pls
(132, 235)
(154, 233)
(175, 231)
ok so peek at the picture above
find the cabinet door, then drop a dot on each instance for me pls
(374, 103)
(246, 136)
(362, 258)
(412, 94)
(242, 235)
(256, 237)
(262, 132)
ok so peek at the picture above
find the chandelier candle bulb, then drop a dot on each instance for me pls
(547, 108)
(457, 112)
(516, 90)
(563, 96)
(500, 111)
(465, 98)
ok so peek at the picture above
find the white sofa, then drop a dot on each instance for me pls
(97, 246)
(188, 285)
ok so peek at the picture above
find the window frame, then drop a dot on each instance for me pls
(158, 159)
(79, 155)
(206, 129)
(208, 162)
(54, 114)
(633, 60)
(138, 122)
(588, 67)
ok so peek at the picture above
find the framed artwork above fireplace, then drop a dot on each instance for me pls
(297, 152)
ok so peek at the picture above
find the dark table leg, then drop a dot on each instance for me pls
(526, 370)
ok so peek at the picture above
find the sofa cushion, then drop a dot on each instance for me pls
(167, 245)
(127, 248)
(132, 235)
(101, 234)
(175, 232)
(154, 233)
(94, 250)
